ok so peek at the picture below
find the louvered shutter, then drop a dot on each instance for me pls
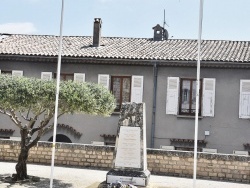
(137, 89)
(79, 77)
(46, 75)
(208, 97)
(103, 79)
(0, 71)
(17, 73)
(244, 111)
(172, 95)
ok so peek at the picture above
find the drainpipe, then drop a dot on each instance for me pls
(155, 69)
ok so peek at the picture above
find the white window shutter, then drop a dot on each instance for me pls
(103, 79)
(17, 73)
(244, 111)
(137, 89)
(46, 75)
(0, 71)
(79, 77)
(208, 97)
(172, 95)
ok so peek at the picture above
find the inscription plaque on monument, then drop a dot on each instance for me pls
(130, 158)
(128, 149)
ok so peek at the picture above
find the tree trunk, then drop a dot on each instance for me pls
(21, 166)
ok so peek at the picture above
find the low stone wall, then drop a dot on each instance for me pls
(66, 154)
(209, 166)
(172, 163)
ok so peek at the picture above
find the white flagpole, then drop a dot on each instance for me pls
(197, 94)
(57, 97)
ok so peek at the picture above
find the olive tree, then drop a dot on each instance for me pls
(30, 105)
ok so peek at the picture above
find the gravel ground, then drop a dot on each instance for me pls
(66, 177)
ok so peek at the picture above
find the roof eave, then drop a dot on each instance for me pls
(127, 61)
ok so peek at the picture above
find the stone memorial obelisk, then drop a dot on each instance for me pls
(130, 157)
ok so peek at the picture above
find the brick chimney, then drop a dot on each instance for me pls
(97, 32)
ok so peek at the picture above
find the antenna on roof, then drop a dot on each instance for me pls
(165, 32)
(164, 22)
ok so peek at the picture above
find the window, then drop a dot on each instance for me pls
(187, 144)
(121, 87)
(13, 72)
(181, 96)
(124, 88)
(188, 96)
(244, 106)
(78, 77)
(6, 72)
(109, 139)
(65, 76)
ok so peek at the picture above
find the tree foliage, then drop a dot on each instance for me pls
(36, 95)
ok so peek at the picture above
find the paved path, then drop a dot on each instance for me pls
(65, 177)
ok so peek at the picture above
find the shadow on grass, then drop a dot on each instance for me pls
(43, 183)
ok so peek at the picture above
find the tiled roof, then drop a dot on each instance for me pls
(125, 48)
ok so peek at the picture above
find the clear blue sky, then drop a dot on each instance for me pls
(222, 19)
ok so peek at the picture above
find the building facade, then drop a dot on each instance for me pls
(158, 71)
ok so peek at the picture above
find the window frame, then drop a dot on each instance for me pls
(121, 88)
(190, 97)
